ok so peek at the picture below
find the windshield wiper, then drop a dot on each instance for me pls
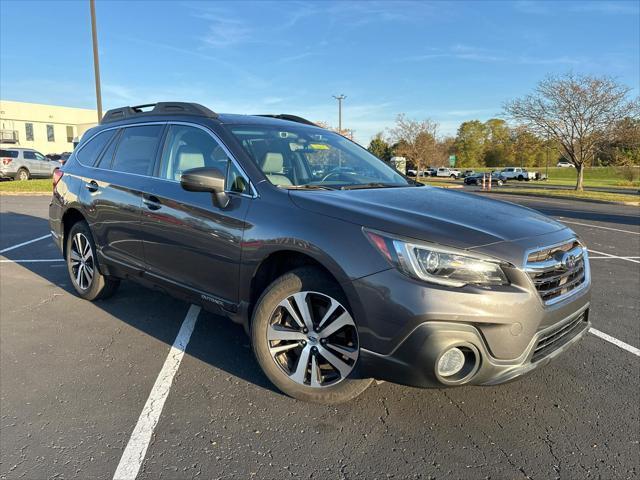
(308, 187)
(358, 186)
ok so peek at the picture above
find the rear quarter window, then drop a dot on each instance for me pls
(9, 153)
(90, 151)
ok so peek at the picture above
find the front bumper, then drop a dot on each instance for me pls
(414, 361)
(406, 325)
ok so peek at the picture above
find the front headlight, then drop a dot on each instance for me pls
(436, 264)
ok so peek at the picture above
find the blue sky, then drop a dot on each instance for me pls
(449, 61)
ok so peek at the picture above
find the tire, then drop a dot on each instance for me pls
(84, 273)
(281, 362)
(500, 183)
(520, 178)
(22, 174)
(453, 176)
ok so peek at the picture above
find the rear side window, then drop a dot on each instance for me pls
(90, 151)
(9, 153)
(137, 149)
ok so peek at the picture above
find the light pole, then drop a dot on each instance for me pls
(96, 62)
(340, 98)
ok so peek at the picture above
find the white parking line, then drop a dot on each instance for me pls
(39, 260)
(616, 342)
(136, 449)
(598, 226)
(25, 243)
(628, 259)
(609, 258)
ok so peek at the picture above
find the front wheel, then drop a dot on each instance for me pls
(500, 183)
(305, 338)
(82, 265)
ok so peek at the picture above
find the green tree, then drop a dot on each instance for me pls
(380, 148)
(498, 144)
(470, 144)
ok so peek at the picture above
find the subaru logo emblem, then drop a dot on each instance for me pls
(568, 261)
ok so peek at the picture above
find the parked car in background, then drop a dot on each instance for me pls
(431, 172)
(517, 173)
(24, 163)
(468, 173)
(476, 179)
(447, 172)
(338, 278)
(564, 164)
(64, 157)
(412, 173)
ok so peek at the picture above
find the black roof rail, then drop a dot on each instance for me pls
(291, 118)
(160, 108)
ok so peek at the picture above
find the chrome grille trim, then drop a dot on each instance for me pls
(551, 277)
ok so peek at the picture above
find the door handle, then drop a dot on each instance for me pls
(92, 186)
(152, 202)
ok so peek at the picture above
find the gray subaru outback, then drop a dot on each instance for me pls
(339, 268)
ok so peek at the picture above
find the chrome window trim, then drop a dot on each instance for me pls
(584, 254)
(253, 194)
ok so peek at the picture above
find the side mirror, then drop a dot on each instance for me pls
(206, 179)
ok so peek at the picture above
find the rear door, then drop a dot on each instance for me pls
(189, 241)
(113, 189)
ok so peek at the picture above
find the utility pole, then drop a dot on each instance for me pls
(340, 98)
(96, 62)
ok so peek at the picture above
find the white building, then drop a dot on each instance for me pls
(45, 128)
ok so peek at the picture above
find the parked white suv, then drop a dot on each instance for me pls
(25, 163)
(564, 164)
(447, 172)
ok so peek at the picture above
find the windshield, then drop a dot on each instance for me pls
(302, 157)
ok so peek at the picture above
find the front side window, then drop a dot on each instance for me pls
(50, 134)
(29, 155)
(90, 151)
(137, 149)
(298, 156)
(190, 147)
(40, 157)
(28, 127)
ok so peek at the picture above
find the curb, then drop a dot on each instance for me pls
(17, 194)
(561, 197)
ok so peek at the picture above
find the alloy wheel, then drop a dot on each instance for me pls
(82, 261)
(313, 339)
(23, 176)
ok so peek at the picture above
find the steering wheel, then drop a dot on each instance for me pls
(339, 174)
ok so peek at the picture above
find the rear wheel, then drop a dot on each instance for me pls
(306, 340)
(82, 265)
(23, 174)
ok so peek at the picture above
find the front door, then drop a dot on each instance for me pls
(188, 240)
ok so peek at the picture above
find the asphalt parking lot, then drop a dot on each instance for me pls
(76, 378)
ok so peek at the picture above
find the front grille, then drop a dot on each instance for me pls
(559, 335)
(557, 270)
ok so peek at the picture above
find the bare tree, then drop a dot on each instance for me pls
(578, 111)
(415, 140)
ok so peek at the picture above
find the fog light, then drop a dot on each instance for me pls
(451, 362)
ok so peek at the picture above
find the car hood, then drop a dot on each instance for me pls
(431, 214)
